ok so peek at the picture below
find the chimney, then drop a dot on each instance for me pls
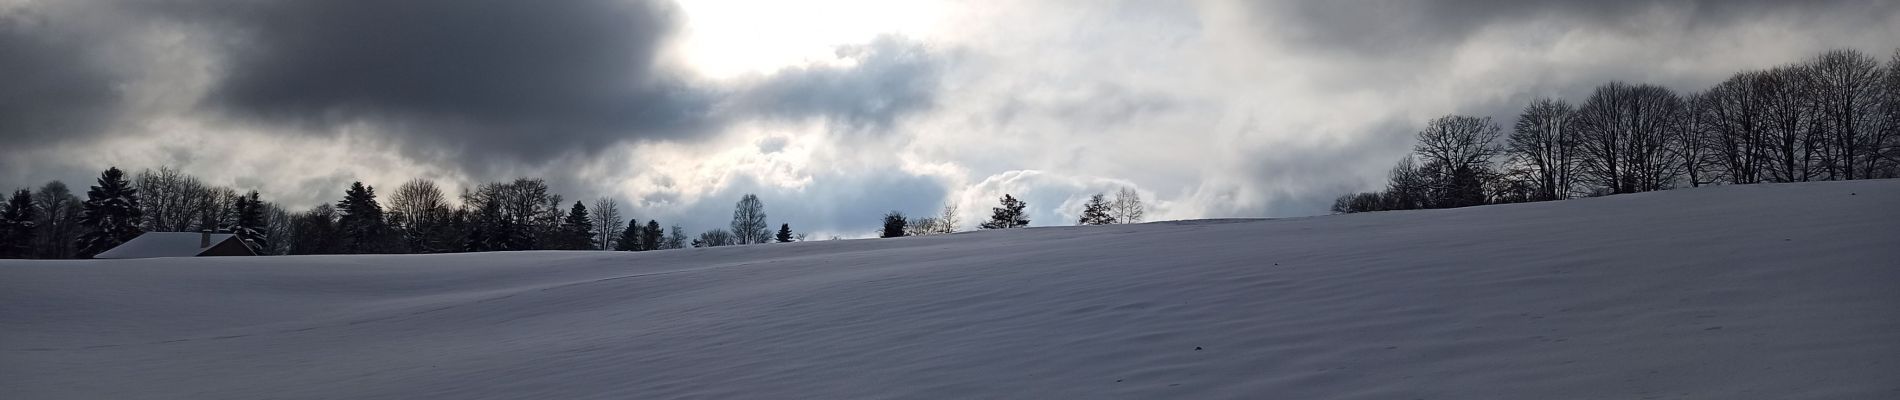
(204, 238)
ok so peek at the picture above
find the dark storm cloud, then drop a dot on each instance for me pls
(51, 85)
(1379, 28)
(525, 78)
(891, 77)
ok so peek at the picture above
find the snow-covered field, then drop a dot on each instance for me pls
(1744, 292)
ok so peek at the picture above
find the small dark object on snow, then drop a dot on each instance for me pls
(1197, 348)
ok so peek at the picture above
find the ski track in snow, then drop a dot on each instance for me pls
(1784, 291)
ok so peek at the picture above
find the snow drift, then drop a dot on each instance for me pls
(1766, 291)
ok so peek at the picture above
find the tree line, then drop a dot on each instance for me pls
(1835, 116)
(1010, 212)
(523, 214)
(416, 218)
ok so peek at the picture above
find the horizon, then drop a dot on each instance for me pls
(835, 112)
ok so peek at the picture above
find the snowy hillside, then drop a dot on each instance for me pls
(1749, 292)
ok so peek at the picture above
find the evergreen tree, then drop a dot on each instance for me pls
(1008, 215)
(577, 230)
(1096, 212)
(784, 233)
(249, 225)
(630, 238)
(894, 223)
(361, 222)
(17, 222)
(111, 213)
(652, 237)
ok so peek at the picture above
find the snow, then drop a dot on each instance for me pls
(163, 244)
(1760, 292)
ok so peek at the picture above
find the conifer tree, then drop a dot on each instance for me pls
(249, 225)
(111, 214)
(652, 236)
(1096, 212)
(784, 233)
(630, 238)
(1008, 215)
(894, 223)
(17, 222)
(361, 222)
(577, 230)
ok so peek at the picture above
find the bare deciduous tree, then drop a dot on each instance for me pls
(58, 221)
(1624, 131)
(748, 221)
(920, 226)
(1791, 122)
(607, 220)
(1735, 109)
(947, 220)
(171, 200)
(1848, 94)
(1543, 142)
(1127, 207)
(1458, 151)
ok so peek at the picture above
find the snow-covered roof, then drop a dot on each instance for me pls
(164, 244)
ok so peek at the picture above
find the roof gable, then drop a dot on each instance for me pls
(164, 244)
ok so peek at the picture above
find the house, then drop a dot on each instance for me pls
(180, 244)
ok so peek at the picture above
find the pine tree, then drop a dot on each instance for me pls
(249, 226)
(1096, 212)
(577, 230)
(1008, 215)
(361, 221)
(111, 213)
(894, 223)
(784, 233)
(17, 222)
(652, 237)
(630, 238)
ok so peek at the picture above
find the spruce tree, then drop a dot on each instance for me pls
(110, 214)
(249, 226)
(17, 222)
(784, 233)
(630, 238)
(577, 230)
(894, 223)
(361, 221)
(652, 237)
(1008, 215)
(1096, 212)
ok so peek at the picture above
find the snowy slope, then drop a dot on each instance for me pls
(1745, 292)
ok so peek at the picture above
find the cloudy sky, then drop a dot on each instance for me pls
(835, 111)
